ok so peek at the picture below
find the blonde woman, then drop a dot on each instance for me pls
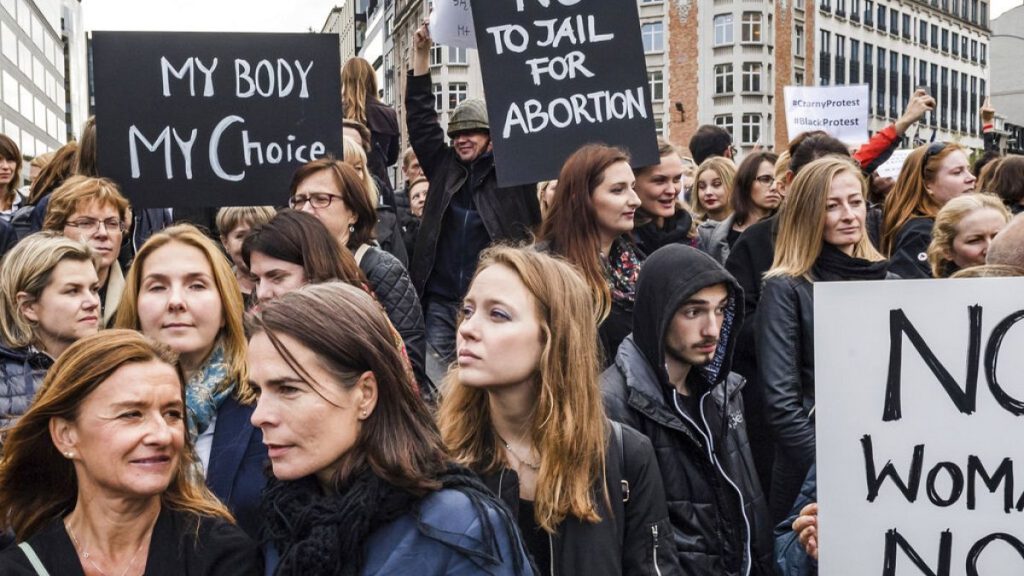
(822, 238)
(181, 292)
(48, 300)
(361, 104)
(931, 176)
(523, 409)
(387, 231)
(712, 189)
(963, 230)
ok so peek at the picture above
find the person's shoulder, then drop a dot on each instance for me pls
(916, 227)
(451, 511)
(13, 562)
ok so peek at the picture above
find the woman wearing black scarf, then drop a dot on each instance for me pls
(822, 238)
(362, 482)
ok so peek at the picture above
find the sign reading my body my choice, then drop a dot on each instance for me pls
(559, 74)
(209, 119)
(920, 392)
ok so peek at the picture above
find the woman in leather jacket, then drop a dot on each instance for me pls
(523, 409)
(822, 237)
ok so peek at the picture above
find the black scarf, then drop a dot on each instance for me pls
(326, 535)
(676, 231)
(834, 265)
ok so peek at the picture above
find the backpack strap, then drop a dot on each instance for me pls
(617, 431)
(33, 559)
(360, 252)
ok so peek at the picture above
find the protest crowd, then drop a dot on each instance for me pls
(611, 372)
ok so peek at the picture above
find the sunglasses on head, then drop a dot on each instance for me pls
(933, 149)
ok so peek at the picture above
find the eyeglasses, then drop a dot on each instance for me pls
(318, 200)
(92, 225)
(933, 149)
(766, 179)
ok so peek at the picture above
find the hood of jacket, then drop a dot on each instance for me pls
(669, 277)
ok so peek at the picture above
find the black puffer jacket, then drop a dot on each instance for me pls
(21, 373)
(390, 283)
(508, 214)
(638, 545)
(910, 249)
(716, 505)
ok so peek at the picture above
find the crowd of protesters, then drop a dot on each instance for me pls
(607, 373)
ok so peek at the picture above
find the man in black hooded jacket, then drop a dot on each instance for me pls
(671, 381)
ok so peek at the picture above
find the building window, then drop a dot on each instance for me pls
(725, 121)
(723, 79)
(723, 29)
(854, 61)
(922, 32)
(457, 56)
(826, 5)
(825, 59)
(751, 27)
(798, 41)
(798, 78)
(956, 44)
(656, 80)
(907, 28)
(974, 50)
(457, 92)
(935, 36)
(751, 128)
(869, 12)
(945, 40)
(751, 76)
(840, 7)
(880, 92)
(984, 54)
(881, 18)
(653, 34)
(438, 97)
(659, 122)
(435, 55)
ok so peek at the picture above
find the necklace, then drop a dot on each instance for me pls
(524, 461)
(88, 557)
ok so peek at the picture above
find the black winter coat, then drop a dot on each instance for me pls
(382, 121)
(21, 373)
(8, 238)
(718, 511)
(640, 545)
(390, 283)
(910, 249)
(509, 214)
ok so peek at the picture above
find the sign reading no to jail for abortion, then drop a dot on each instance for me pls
(211, 119)
(920, 392)
(559, 74)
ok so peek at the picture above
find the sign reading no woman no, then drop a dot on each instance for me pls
(920, 393)
(559, 74)
(209, 119)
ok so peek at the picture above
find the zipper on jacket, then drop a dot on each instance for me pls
(654, 532)
(710, 446)
(551, 544)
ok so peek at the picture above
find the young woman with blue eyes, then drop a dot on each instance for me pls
(181, 292)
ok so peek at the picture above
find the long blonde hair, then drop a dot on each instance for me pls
(909, 198)
(39, 483)
(354, 153)
(358, 84)
(948, 220)
(568, 424)
(233, 332)
(802, 219)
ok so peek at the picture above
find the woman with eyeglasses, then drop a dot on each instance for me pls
(333, 192)
(754, 197)
(93, 211)
(932, 175)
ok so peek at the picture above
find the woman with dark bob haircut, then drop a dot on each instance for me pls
(294, 249)
(359, 467)
(99, 475)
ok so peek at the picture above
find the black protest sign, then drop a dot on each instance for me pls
(559, 74)
(209, 119)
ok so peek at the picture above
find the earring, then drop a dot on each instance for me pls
(363, 414)
(351, 228)
(69, 454)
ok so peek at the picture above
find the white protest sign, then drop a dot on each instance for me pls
(451, 24)
(842, 111)
(891, 167)
(920, 387)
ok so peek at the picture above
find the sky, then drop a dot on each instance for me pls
(239, 15)
(207, 15)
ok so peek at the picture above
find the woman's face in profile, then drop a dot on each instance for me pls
(128, 436)
(307, 431)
